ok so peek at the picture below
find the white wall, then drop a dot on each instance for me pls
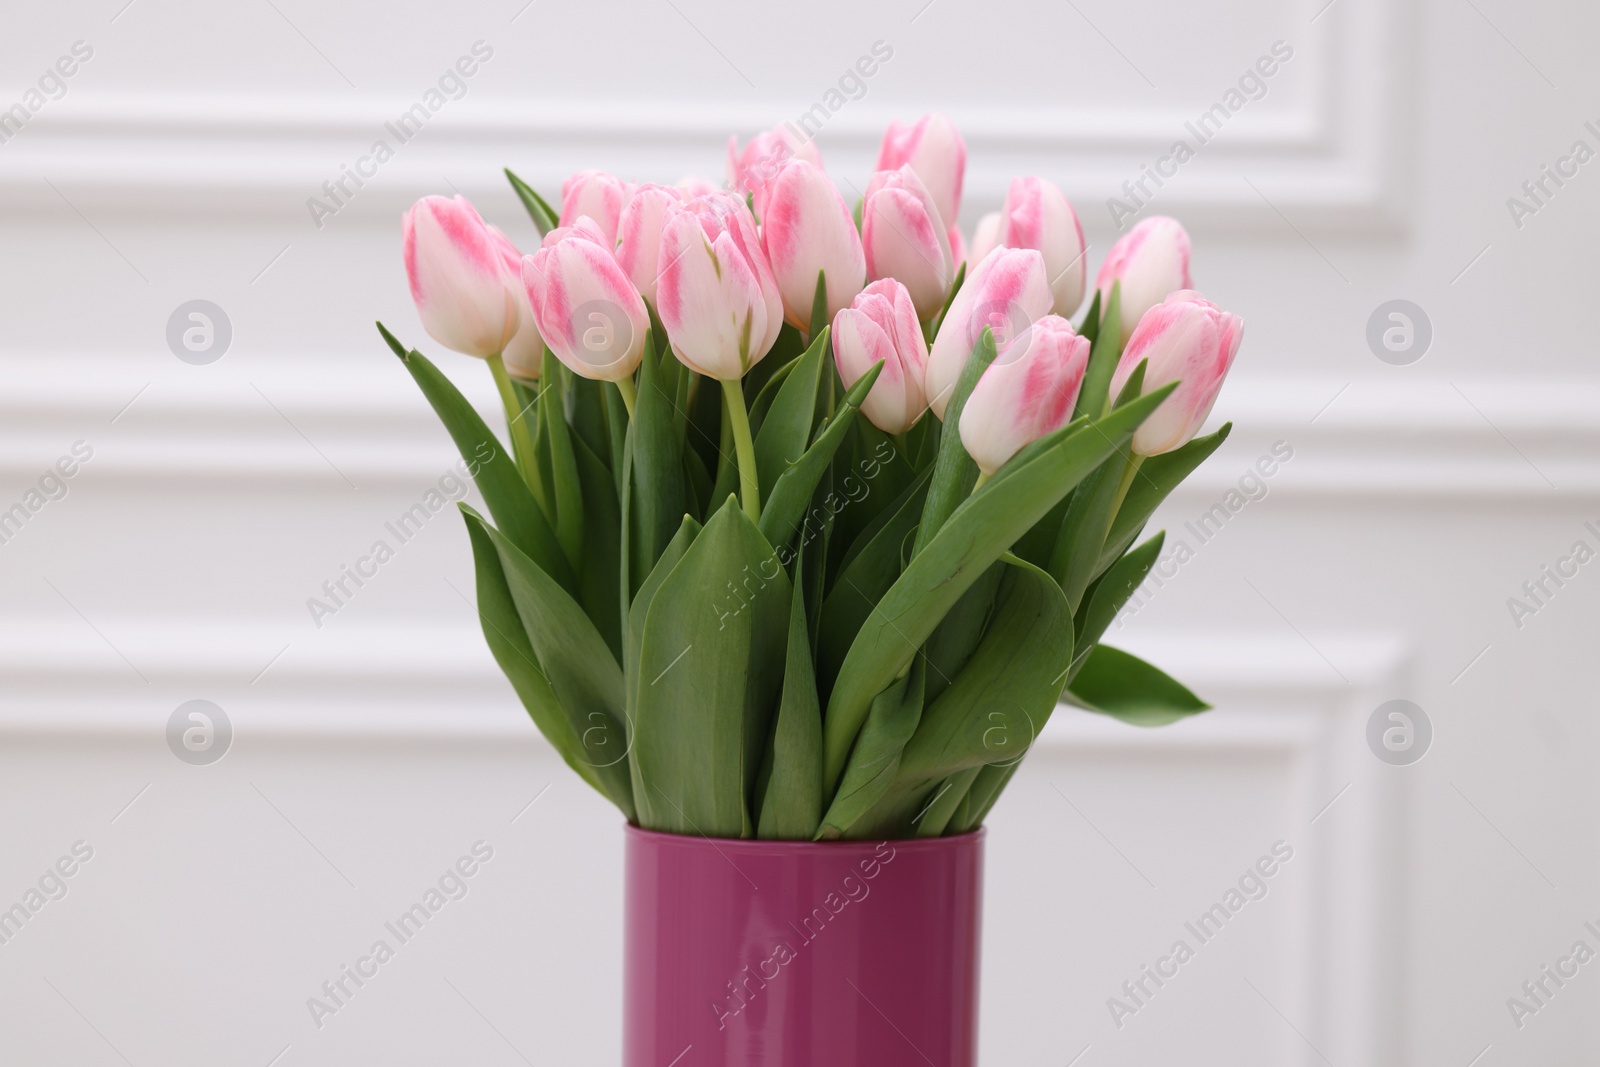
(372, 751)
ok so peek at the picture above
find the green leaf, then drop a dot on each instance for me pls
(994, 708)
(1125, 687)
(785, 350)
(494, 471)
(600, 569)
(819, 307)
(1090, 326)
(786, 427)
(978, 531)
(875, 758)
(866, 576)
(954, 472)
(710, 667)
(954, 640)
(1095, 394)
(1075, 560)
(1112, 591)
(583, 673)
(985, 789)
(545, 217)
(791, 796)
(568, 491)
(508, 642)
(659, 495)
(670, 557)
(769, 392)
(1157, 477)
(786, 504)
(934, 819)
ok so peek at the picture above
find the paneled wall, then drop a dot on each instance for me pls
(1407, 505)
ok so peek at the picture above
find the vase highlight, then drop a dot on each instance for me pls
(748, 953)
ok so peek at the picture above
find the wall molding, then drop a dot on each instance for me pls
(1328, 161)
(1479, 440)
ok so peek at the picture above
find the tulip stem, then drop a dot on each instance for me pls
(630, 396)
(982, 477)
(744, 448)
(521, 439)
(1128, 474)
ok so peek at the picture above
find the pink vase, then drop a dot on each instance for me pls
(794, 954)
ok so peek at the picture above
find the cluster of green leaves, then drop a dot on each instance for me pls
(871, 655)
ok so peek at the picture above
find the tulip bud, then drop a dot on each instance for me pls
(1007, 292)
(598, 195)
(1028, 391)
(931, 147)
(639, 235)
(752, 168)
(1150, 260)
(958, 249)
(587, 310)
(716, 295)
(1036, 214)
(905, 239)
(807, 228)
(692, 185)
(882, 325)
(459, 281)
(1188, 340)
(524, 353)
(986, 237)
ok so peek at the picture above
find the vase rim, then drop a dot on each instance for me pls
(753, 846)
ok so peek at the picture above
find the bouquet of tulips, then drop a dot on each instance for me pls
(811, 517)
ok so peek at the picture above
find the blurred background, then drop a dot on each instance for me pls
(1434, 470)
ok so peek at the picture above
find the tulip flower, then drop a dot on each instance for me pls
(905, 239)
(1036, 214)
(459, 281)
(524, 353)
(958, 247)
(597, 194)
(752, 168)
(882, 325)
(1150, 260)
(1007, 292)
(807, 228)
(1028, 391)
(1188, 340)
(692, 185)
(639, 235)
(716, 295)
(587, 310)
(931, 147)
(985, 237)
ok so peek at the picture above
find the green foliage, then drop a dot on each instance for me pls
(873, 653)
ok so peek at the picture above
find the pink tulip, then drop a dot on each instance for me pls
(931, 147)
(1036, 214)
(524, 353)
(807, 228)
(597, 194)
(587, 310)
(752, 168)
(905, 239)
(639, 235)
(692, 185)
(459, 281)
(717, 297)
(1150, 260)
(985, 237)
(1188, 340)
(958, 247)
(882, 325)
(1027, 392)
(1007, 292)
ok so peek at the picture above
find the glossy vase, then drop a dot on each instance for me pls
(798, 954)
